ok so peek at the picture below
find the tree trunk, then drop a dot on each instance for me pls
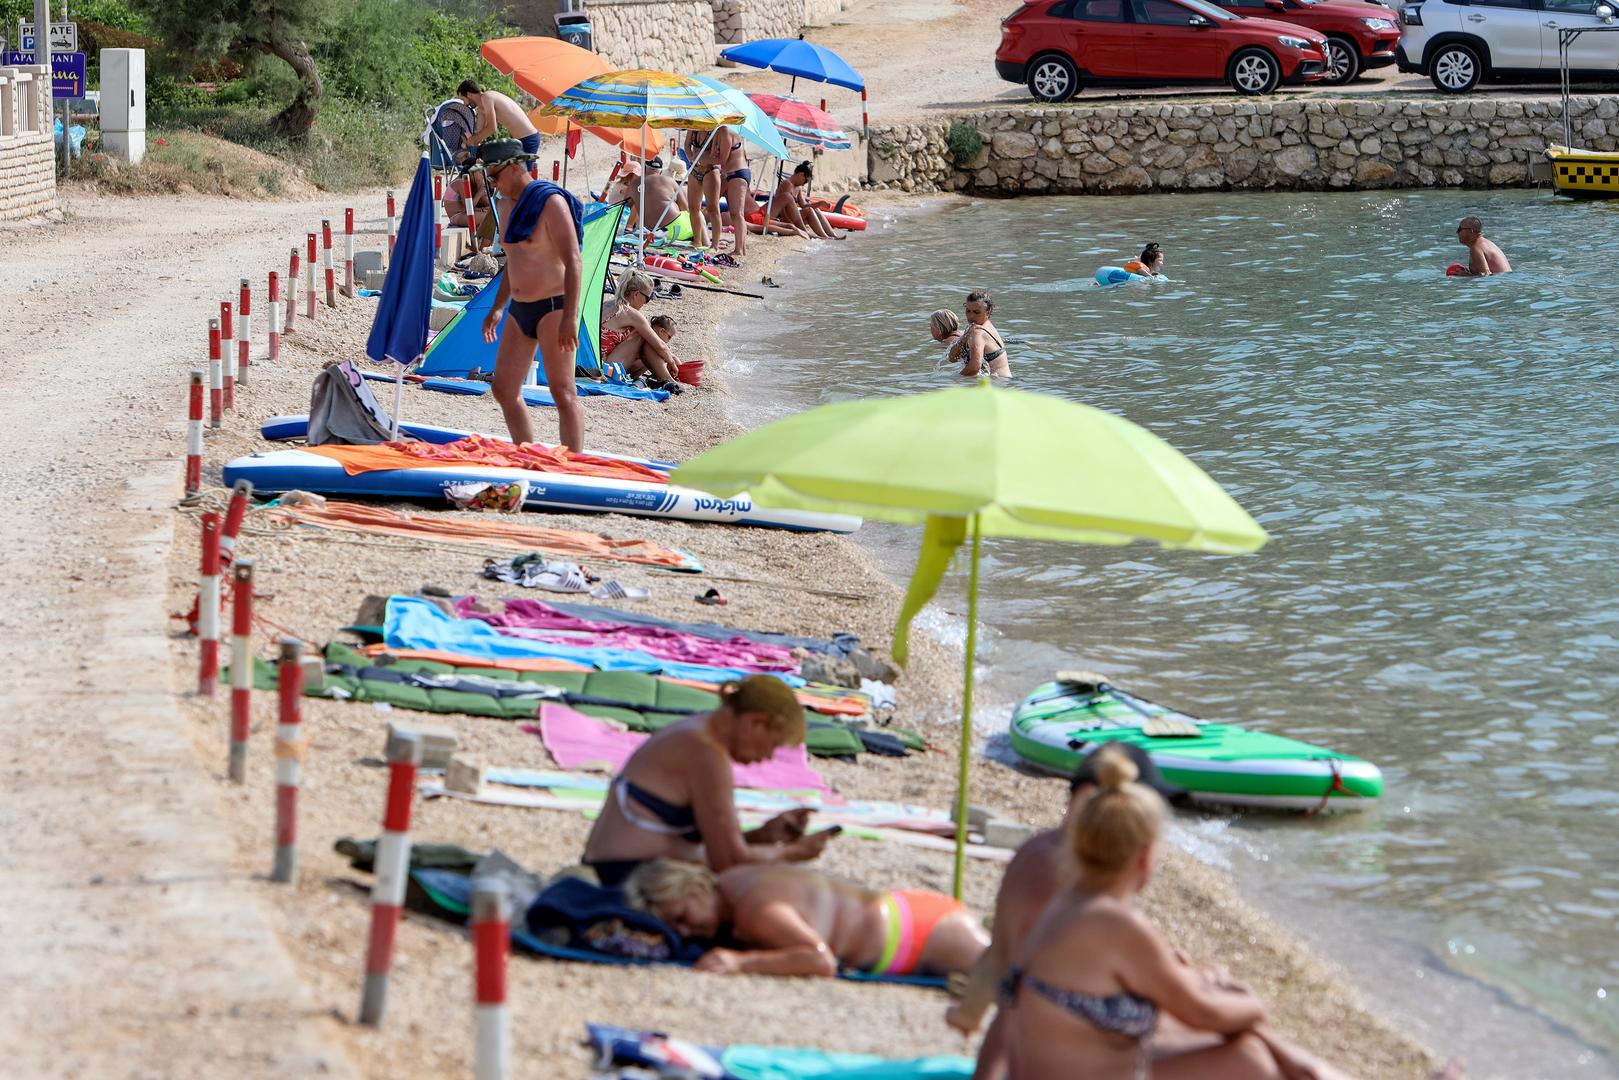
(298, 117)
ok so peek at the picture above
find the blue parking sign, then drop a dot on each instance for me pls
(67, 72)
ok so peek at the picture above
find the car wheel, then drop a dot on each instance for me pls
(1455, 69)
(1343, 62)
(1254, 71)
(1053, 78)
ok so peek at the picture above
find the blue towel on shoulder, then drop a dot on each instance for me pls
(525, 216)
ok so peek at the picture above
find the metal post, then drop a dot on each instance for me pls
(208, 609)
(241, 667)
(392, 865)
(348, 252)
(491, 942)
(309, 278)
(326, 261)
(216, 378)
(234, 513)
(244, 329)
(292, 292)
(289, 757)
(227, 355)
(194, 435)
(273, 304)
(393, 226)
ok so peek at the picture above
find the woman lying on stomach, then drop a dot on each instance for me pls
(676, 797)
(798, 921)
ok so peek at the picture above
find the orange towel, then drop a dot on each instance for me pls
(485, 532)
(482, 450)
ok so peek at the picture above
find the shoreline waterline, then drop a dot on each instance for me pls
(1417, 970)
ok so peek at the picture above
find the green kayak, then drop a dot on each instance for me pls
(1061, 721)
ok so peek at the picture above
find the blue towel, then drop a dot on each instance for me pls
(525, 216)
(747, 1062)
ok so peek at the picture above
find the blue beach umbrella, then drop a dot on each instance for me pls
(798, 58)
(399, 330)
(756, 127)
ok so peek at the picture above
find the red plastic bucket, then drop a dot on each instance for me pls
(690, 372)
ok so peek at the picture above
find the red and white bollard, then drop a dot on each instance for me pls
(208, 609)
(393, 226)
(468, 207)
(865, 121)
(438, 217)
(274, 306)
(491, 943)
(244, 329)
(289, 760)
(227, 354)
(556, 172)
(241, 666)
(392, 870)
(348, 252)
(326, 262)
(309, 279)
(216, 378)
(292, 293)
(194, 435)
(234, 513)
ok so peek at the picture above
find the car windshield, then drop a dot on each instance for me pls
(1208, 11)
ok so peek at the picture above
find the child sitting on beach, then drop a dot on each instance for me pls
(628, 337)
(796, 921)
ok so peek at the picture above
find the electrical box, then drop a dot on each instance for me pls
(123, 102)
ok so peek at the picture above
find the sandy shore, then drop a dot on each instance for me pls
(312, 583)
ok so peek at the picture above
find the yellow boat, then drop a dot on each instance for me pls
(1584, 174)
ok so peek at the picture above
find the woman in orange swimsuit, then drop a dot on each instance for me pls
(797, 921)
(1151, 263)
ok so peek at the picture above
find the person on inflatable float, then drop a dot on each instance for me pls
(1151, 263)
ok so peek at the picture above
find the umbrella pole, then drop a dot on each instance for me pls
(646, 233)
(567, 132)
(966, 719)
(399, 395)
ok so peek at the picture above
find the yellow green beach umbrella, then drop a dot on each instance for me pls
(978, 461)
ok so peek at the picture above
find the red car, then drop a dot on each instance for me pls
(1056, 46)
(1358, 37)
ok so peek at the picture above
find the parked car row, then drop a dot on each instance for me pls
(1058, 47)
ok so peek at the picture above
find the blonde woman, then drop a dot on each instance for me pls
(629, 338)
(945, 327)
(980, 350)
(675, 798)
(1095, 980)
(798, 921)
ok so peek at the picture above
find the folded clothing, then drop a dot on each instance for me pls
(484, 450)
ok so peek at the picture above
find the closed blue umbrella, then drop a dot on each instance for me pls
(756, 127)
(798, 58)
(399, 330)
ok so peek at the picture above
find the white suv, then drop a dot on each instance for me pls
(1456, 43)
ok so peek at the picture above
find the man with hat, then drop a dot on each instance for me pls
(1042, 868)
(544, 228)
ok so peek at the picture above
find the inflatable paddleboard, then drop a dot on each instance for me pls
(1218, 764)
(286, 428)
(280, 471)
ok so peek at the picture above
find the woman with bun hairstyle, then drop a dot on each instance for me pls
(1151, 263)
(1097, 992)
(675, 798)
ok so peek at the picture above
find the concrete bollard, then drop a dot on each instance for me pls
(235, 512)
(244, 329)
(326, 262)
(274, 305)
(348, 252)
(292, 292)
(227, 354)
(309, 278)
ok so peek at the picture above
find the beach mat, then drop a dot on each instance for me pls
(616, 1047)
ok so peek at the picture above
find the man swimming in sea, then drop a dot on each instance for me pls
(544, 229)
(1484, 257)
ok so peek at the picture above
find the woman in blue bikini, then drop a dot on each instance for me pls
(675, 798)
(1099, 993)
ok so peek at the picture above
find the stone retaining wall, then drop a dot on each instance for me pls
(737, 21)
(664, 35)
(1313, 144)
(821, 12)
(27, 168)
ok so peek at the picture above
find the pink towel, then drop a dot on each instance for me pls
(580, 741)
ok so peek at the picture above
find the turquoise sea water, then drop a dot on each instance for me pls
(1438, 463)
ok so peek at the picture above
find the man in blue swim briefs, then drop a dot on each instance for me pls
(543, 227)
(496, 110)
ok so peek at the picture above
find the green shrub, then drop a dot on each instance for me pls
(964, 141)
